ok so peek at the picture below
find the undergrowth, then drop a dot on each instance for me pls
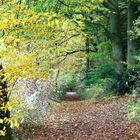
(132, 109)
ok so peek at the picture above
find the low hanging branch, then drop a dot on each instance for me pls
(76, 51)
(67, 39)
(63, 3)
(66, 54)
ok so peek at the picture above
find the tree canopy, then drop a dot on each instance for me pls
(76, 45)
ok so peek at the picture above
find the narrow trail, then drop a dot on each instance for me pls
(88, 120)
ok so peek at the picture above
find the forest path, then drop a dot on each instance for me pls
(88, 120)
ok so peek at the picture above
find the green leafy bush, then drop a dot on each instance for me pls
(132, 110)
(99, 73)
(93, 92)
(117, 84)
(126, 82)
(65, 83)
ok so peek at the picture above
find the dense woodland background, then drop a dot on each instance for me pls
(50, 47)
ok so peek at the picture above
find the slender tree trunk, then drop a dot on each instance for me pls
(118, 50)
(56, 81)
(4, 113)
(87, 61)
(87, 58)
(131, 44)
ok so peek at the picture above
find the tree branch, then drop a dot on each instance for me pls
(76, 51)
(62, 2)
(58, 44)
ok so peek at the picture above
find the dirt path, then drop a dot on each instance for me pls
(87, 120)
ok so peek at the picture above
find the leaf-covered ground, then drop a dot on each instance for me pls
(87, 120)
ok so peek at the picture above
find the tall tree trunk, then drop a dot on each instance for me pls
(4, 113)
(118, 50)
(131, 44)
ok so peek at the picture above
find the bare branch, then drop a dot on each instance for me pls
(76, 51)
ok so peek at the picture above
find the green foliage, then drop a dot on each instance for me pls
(98, 74)
(102, 65)
(65, 83)
(93, 92)
(117, 84)
(103, 53)
(135, 33)
(94, 84)
(38, 36)
(132, 109)
(45, 5)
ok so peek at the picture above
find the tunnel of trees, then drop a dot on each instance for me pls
(88, 47)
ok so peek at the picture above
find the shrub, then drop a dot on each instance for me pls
(117, 84)
(93, 92)
(65, 83)
(126, 82)
(98, 74)
(132, 110)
